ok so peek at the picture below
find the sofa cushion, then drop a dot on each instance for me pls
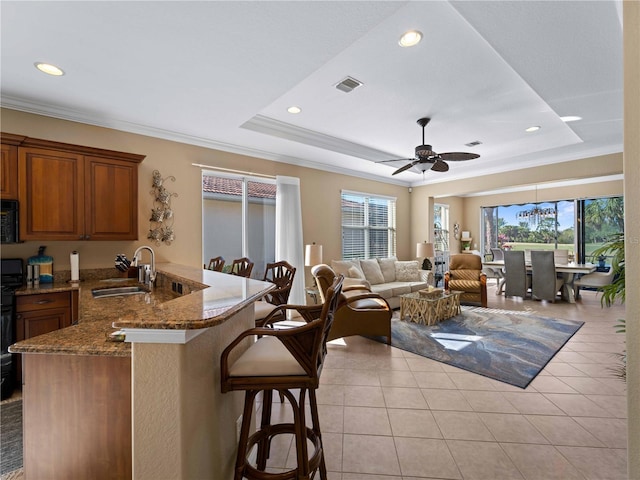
(341, 267)
(408, 271)
(415, 286)
(355, 272)
(399, 288)
(388, 268)
(372, 271)
(383, 290)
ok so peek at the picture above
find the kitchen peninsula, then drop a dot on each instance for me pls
(162, 384)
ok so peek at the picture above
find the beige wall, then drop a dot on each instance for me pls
(632, 227)
(320, 194)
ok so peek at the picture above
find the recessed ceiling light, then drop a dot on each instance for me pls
(533, 129)
(294, 109)
(49, 69)
(570, 118)
(410, 38)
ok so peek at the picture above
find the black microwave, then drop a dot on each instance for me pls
(9, 222)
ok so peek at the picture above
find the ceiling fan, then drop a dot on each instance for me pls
(426, 156)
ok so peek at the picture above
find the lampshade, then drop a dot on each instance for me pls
(312, 255)
(424, 250)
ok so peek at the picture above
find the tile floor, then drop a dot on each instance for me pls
(387, 414)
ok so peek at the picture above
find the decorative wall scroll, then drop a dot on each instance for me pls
(161, 227)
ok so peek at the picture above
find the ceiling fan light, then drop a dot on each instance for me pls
(410, 38)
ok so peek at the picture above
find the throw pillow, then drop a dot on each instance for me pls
(343, 266)
(388, 268)
(372, 271)
(408, 271)
(354, 272)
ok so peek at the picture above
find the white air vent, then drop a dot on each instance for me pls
(473, 144)
(348, 85)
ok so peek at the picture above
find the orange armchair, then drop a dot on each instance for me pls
(465, 275)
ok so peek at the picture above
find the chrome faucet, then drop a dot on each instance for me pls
(151, 277)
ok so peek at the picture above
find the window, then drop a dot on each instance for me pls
(544, 225)
(368, 225)
(238, 219)
(578, 226)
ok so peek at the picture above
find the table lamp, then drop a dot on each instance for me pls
(424, 250)
(312, 256)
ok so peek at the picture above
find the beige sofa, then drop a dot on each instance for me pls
(388, 277)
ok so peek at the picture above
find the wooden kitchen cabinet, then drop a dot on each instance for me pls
(71, 192)
(77, 417)
(42, 313)
(9, 166)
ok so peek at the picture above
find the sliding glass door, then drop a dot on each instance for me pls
(238, 219)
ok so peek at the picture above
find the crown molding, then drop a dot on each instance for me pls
(55, 111)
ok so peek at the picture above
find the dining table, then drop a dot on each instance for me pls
(567, 270)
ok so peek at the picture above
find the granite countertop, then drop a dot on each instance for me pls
(208, 299)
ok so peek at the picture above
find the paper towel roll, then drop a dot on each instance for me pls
(75, 266)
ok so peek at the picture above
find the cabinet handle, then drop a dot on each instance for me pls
(42, 302)
(87, 237)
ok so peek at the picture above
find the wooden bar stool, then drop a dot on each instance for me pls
(283, 360)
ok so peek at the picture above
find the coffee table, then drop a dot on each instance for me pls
(429, 310)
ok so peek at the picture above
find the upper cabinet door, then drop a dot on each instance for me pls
(111, 199)
(51, 195)
(9, 172)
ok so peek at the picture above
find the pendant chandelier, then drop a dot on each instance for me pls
(536, 214)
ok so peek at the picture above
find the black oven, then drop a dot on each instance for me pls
(9, 222)
(12, 277)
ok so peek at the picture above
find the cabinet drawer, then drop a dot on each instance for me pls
(41, 301)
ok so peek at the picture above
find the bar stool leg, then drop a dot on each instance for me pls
(264, 445)
(302, 453)
(249, 399)
(315, 420)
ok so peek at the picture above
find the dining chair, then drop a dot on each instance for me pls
(497, 273)
(595, 280)
(241, 267)
(517, 281)
(216, 264)
(289, 361)
(561, 256)
(545, 283)
(498, 254)
(281, 274)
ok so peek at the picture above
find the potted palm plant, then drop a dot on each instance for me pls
(614, 248)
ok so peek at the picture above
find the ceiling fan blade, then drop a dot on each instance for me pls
(406, 167)
(440, 166)
(396, 160)
(458, 156)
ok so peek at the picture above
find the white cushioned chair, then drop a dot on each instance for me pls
(593, 280)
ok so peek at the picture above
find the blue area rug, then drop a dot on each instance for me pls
(512, 347)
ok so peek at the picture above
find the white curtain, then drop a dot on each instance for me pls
(289, 242)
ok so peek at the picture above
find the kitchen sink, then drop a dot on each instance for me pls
(118, 291)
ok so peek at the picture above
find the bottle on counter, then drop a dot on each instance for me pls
(45, 266)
